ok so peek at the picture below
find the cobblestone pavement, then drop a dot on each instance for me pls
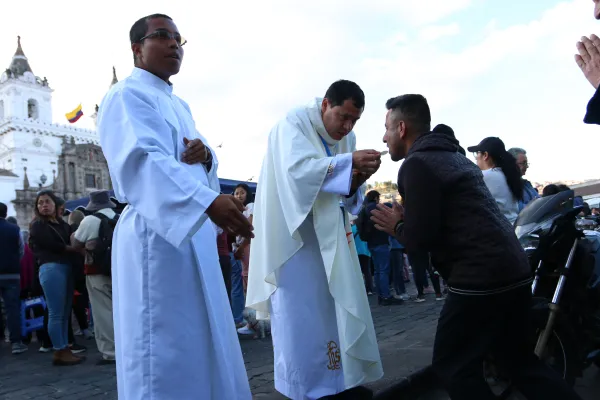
(405, 335)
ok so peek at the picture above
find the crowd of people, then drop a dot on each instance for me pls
(169, 278)
(60, 259)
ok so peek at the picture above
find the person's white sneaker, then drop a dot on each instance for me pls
(18, 348)
(45, 349)
(420, 299)
(245, 331)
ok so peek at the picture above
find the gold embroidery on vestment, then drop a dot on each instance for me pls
(333, 353)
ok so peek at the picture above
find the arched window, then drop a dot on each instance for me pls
(32, 109)
(1, 109)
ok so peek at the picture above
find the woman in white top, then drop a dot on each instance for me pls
(501, 175)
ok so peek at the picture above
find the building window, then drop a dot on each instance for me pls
(1, 109)
(32, 109)
(90, 180)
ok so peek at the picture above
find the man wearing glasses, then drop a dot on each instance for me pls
(174, 332)
(529, 192)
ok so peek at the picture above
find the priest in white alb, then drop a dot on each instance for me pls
(304, 270)
(174, 332)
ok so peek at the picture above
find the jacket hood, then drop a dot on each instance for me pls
(434, 141)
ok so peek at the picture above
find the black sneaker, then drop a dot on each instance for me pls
(105, 361)
(77, 348)
(390, 301)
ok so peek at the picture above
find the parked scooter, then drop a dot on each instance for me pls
(565, 256)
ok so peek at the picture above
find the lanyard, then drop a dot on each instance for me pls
(326, 146)
(329, 155)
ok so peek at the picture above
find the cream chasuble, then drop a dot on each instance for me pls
(304, 270)
(174, 332)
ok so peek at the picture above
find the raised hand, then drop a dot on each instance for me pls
(386, 218)
(196, 152)
(226, 212)
(366, 161)
(588, 59)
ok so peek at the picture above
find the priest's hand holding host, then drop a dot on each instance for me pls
(364, 164)
(366, 161)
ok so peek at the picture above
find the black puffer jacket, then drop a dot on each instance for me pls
(450, 213)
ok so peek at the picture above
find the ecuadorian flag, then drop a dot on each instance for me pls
(74, 115)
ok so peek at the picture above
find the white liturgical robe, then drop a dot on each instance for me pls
(304, 270)
(174, 332)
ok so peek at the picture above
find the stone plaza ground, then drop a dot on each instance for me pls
(405, 334)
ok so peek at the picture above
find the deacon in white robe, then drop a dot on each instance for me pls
(304, 270)
(174, 332)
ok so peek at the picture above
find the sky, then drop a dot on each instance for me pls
(487, 68)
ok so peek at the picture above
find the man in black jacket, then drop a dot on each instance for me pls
(11, 252)
(449, 212)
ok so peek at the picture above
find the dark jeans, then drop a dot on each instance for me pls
(381, 259)
(225, 262)
(365, 267)
(421, 266)
(80, 303)
(10, 290)
(473, 327)
(397, 268)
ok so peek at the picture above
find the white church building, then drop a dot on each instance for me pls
(31, 144)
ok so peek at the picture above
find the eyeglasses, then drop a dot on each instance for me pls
(524, 164)
(165, 35)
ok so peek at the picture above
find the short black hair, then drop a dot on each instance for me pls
(140, 27)
(3, 210)
(12, 220)
(413, 108)
(342, 90)
(550, 190)
(372, 196)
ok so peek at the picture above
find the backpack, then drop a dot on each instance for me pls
(364, 226)
(102, 252)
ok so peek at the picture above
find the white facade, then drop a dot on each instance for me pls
(28, 138)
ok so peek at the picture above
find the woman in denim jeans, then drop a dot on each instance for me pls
(50, 240)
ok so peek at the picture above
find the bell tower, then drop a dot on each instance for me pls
(23, 95)
(112, 83)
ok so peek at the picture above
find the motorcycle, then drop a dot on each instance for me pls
(565, 258)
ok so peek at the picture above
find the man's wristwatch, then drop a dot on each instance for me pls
(208, 156)
(398, 227)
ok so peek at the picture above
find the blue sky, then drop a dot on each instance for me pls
(488, 68)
